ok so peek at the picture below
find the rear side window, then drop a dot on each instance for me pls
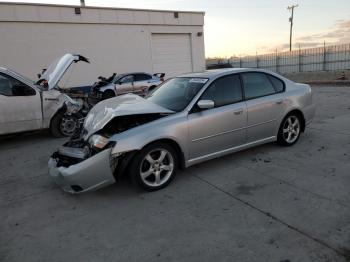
(224, 91)
(142, 77)
(257, 85)
(277, 83)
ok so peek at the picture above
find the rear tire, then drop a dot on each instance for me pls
(151, 88)
(290, 130)
(154, 167)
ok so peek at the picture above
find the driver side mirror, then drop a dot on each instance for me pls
(205, 104)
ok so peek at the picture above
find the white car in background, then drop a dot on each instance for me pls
(139, 83)
(26, 105)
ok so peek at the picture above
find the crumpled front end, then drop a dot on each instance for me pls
(76, 169)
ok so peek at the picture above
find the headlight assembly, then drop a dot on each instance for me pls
(98, 141)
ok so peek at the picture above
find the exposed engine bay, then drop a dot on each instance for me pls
(77, 149)
(120, 124)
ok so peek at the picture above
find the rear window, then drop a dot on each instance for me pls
(277, 83)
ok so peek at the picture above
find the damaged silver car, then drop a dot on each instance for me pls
(187, 120)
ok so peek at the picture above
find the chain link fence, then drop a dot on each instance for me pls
(327, 58)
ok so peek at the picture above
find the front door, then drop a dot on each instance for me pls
(20, 106)
(125, 85)
(222, 127)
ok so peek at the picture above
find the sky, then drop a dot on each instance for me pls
(249, 27)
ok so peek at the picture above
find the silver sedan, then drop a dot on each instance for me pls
(187, 120)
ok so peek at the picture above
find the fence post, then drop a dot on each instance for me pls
(277, 60)
(299, 60)
(257, 61)
(240, 62)
(324, 56)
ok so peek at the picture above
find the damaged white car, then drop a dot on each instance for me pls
(187, 120)
(26, 105)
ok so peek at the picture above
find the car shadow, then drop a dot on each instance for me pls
(124, 188)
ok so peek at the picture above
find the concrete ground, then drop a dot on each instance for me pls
(264, 204)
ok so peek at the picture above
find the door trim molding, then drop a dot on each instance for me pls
(218, 134)
(228, 151)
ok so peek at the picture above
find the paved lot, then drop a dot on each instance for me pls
(264, 204)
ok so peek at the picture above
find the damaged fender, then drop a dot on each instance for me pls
(53, 101)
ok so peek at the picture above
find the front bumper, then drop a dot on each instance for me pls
(89, 175)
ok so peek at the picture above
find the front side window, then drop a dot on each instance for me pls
(224, 91)
(127, 79)
(11, 87)
(176, 93)
(257, 85)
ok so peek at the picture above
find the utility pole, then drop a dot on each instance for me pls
(291, 8)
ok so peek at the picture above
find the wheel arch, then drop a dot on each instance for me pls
(60, 110)
(173, 144)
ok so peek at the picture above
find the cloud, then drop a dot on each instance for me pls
(337, 34)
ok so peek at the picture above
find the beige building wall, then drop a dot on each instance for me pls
(115, 40)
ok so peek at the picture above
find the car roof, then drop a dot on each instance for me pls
(132, 73)
(214, 73)
(3, 69)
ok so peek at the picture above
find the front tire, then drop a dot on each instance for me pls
(289, 131)
(108, 94)
(63, 125)
(154, 167)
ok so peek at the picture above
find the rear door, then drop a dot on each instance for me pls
(20, 106)
(222, 127)
(141, 83)
(264, 105)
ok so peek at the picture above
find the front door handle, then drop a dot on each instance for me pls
(280, 101)
(238, 112)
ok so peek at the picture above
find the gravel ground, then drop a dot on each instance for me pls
(264, 204)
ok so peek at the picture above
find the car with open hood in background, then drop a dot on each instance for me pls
(27, 105)
(186, 120)
(139, 83)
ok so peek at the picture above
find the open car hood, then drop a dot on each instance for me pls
(56, 70)
(106, 110)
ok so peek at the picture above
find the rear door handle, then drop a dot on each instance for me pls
(280, 101)
(238, 112)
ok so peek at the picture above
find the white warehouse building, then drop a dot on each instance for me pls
(114, 39)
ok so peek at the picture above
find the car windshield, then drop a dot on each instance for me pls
(176, 93)
(117, 78)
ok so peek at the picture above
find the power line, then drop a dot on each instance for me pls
(291, 8)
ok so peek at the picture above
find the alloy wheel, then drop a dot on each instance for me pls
(291, 129)
(157, 167)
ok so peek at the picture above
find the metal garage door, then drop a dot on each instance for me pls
(171, 54)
